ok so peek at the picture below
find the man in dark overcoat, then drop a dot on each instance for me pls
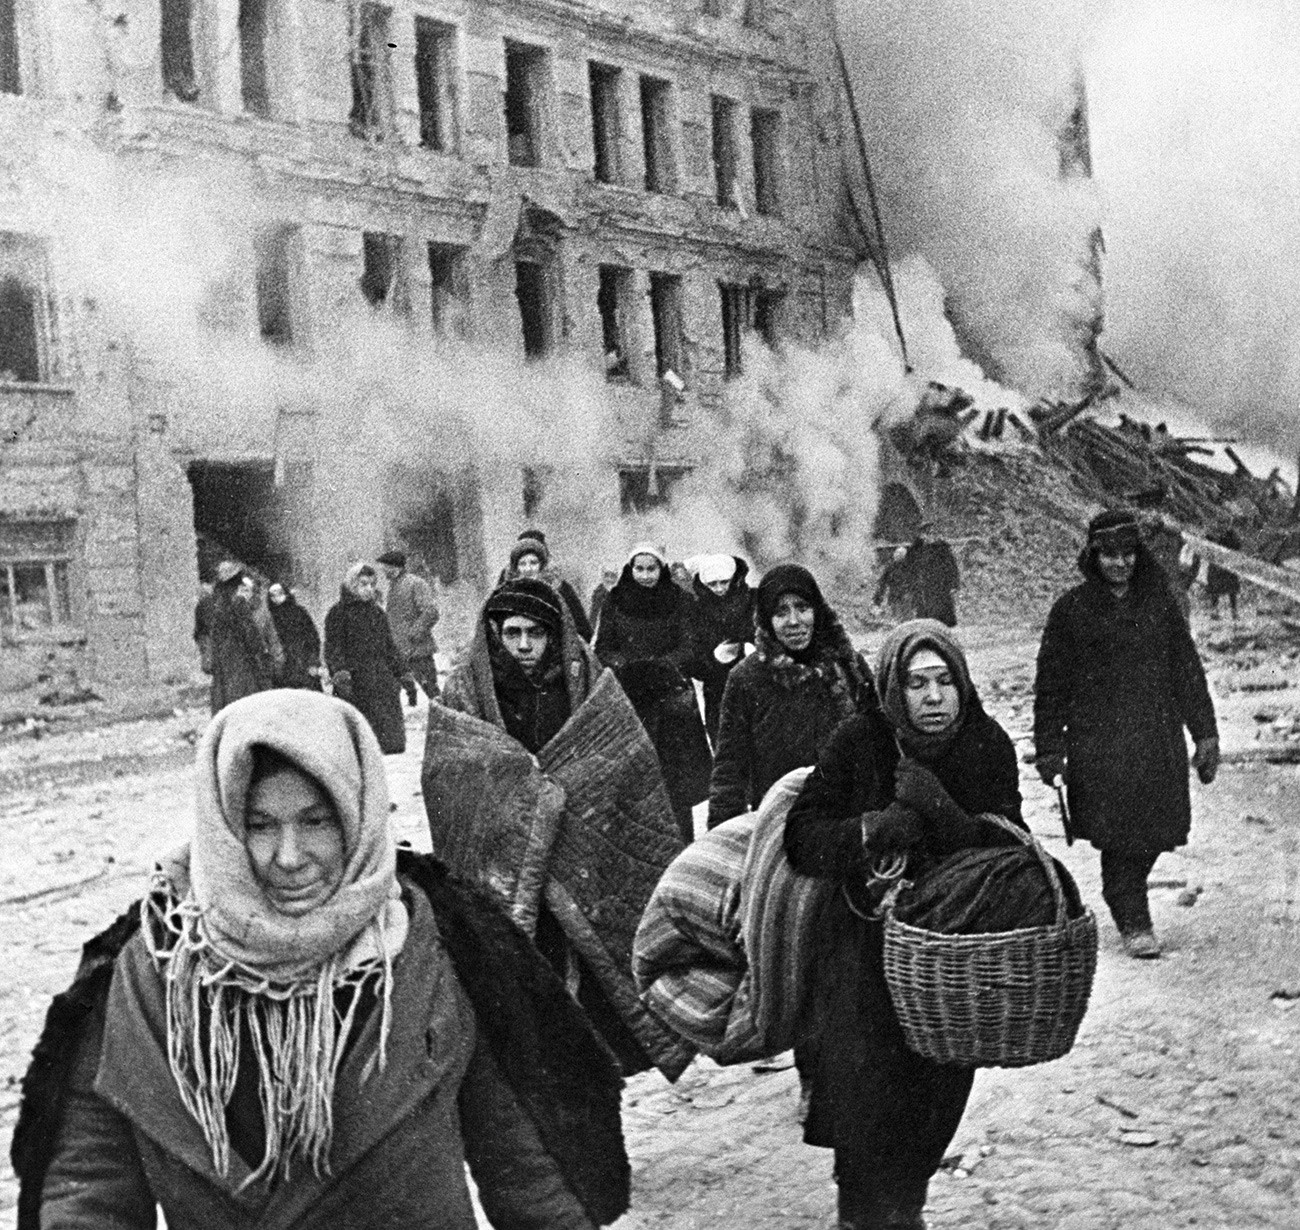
(1118, 680)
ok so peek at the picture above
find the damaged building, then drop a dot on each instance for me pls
(647, 185)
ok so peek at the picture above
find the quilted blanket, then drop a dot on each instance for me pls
(585, 826)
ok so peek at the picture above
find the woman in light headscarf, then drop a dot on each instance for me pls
(299, 1026)
(722, 623)
(913, 776)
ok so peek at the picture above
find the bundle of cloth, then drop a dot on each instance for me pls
(727, 936)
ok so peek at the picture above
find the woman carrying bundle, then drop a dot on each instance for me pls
(911, 777)
(301, 1027)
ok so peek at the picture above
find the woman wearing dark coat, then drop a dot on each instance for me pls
(911, 776)
(242, 661)
(1118, 679)
(645, 640)
(298, 638)
(722, 622)
(363, 661)
(782, 703)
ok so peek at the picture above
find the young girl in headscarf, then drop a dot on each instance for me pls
(289, 1037)
(645, 639)
(913, 776)
(781, 704)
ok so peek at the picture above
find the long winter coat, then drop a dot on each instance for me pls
(358, 640)
(300, 642)
(402, 1134)
(1118, 679)
(412, 612)
(716, 621)
(242, 661)
(651, 657)
(868, 1089)
(778, 715)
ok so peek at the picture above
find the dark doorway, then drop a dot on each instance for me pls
(534, 297)
(429, 535)
(242, 513)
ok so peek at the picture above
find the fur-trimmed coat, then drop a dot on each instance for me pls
(489, 1061)
(778, 714)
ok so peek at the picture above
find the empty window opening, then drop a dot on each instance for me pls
(274, 285)
(436, 515)
(656, 132)
(606, 129)
(242, 513)
(767, 315)
(381, 271)
(735, 319)
(177, 38)
(448, 288)
(23, 321)
(525, 75)
(612, 299)
(666, 311)
(34, 561)
(371, 81)
(254, 90)
(11, 81)
(532, 289)
(724, 150)
(642, 489)
(765, 132)
(435, 80)
(755, 13)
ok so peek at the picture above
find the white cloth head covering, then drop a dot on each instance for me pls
(714, 568)
(648, 548)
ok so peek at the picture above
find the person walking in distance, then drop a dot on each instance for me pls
(412, 612)
(1118, 679)
(298, 638)
(722, 623)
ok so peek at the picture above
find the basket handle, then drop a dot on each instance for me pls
(1025, 837)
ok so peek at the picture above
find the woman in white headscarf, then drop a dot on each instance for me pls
(295, 1032)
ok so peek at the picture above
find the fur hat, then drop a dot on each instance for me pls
(1115, 528)
(395, 559)
(529, 546)
(529, 597)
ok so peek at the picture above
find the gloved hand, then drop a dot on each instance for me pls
(408, 686)
(1205, 759)
(1050, 766)
(916, 787)
(895, 828)
(341, 684)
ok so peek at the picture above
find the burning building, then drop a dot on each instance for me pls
(636, 186)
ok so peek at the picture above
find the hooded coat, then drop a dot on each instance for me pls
(1118, 680)
(300, 642)
(889, 1113)
(358, 640)
(778, 712)
(716, 621)
(645, 639)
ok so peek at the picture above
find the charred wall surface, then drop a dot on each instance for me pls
(639, 184)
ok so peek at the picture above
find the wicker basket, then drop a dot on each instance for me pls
(1005, 999)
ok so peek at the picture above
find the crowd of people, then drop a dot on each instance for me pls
(303, 1025)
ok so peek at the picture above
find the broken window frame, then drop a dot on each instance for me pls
(524, 98)
(370, 61)
(449, 290)
(735, 320)
(657, 135)
(273, 285)
(765, 131)
(44, 547)
(605, 82)
(767, 307)
(383, 275)
(176, 50)
(613, 298)
(11, 74)
(668, 317)
(437, 88)
(726, 155)
(23, 264)
(254, 30)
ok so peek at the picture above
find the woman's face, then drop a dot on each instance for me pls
(365, 587)
(719, 587)
(933, 700)
(646, 570)
(792, 622)
(529, 565)
(294, 841)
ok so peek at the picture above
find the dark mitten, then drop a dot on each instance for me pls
(1206, 758)
(916, 787)
(895, 828)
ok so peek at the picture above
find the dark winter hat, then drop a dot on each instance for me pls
(397, 559)
(787, 579)
(536, 535)
(529, 546)
(530, 598)
(1115, 529)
